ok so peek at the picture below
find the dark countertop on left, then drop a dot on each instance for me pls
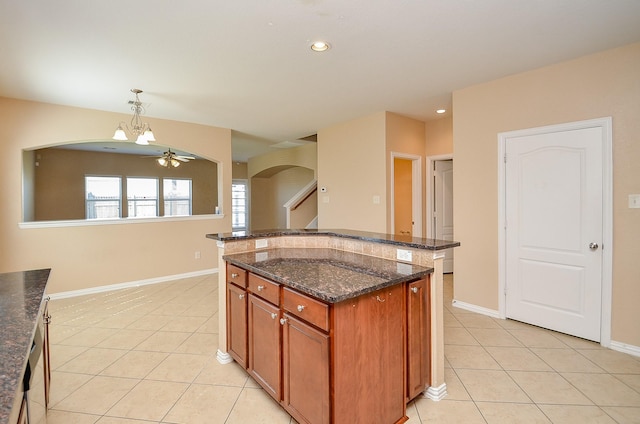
(21, 295)
(327, 274)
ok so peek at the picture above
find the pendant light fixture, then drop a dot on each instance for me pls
(140, 130)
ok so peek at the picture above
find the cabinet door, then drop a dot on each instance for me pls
(305, 369)
(265, 345)
(417, 337)
(237, 323)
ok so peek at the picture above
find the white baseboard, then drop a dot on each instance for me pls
(625, 348)
(102, 289)
(436, 393)
(618, 346)
(223, 357)
(475, 308)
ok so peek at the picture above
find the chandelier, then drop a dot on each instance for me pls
(140, 130)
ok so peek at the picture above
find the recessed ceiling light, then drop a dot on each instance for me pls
(320, 46)
(441, 111)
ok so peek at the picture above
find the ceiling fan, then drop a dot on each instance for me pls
(170, 158)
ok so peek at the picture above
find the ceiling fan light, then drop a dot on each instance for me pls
(120, 135)
(149, 135)
(142, 140)
(162, 161)
(175, 163)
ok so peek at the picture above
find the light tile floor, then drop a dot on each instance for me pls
(147, 355)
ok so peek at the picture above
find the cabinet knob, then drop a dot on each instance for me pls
(241, 296)
(283, 321)
(300, 308)
(414, 289)
(260, 288)
(274, 315)
(234, 275)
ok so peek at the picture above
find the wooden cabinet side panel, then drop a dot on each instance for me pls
(417, 338)
(265, 345)
(368, 354)
(305, 372)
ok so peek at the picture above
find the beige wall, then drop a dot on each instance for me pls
(268, 164)
(269, 194)
(439, 136)
(274, 178)
(239, 171)
(88, 256)
(352, 160)
(354, 164)
(600, 85)
(60, 186)
(404, 135)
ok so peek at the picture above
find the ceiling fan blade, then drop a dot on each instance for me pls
(181, 158)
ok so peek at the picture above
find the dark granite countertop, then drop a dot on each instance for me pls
(397, 240)
(327, 274)
(21, 295)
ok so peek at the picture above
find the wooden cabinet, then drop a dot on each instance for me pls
(237, 323)
(265, 345)
(418, 351)
(305, 358)
(356, 361)
(237, 314)
(368, 358)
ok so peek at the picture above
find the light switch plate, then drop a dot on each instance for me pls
(634, 201)
(403, 255)
(262, 243)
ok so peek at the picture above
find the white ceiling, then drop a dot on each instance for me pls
(247, 65)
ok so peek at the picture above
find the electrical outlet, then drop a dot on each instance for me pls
(197, 254)
(403, 255)
(634, 201)
(262, 243)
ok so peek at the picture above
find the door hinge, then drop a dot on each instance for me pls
(505, 158)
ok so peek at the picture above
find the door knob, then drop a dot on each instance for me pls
(593, 246)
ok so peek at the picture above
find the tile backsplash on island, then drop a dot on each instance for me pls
(385, 251)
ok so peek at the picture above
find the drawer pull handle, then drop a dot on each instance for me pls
(300, 308)
(283, 321)
(234, 275)
(241, 296)
(274, 315)
(414, 289)
(380, 300)
(260, 288)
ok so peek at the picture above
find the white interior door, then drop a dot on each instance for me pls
(554, 230)
(443, 207)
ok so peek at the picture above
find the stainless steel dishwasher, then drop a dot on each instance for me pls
(34, 380)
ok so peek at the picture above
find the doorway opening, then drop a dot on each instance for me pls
(440, 203)
(408, 183)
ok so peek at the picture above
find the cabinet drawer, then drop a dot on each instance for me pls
(237, 276)
(306, 308)
(265, 289)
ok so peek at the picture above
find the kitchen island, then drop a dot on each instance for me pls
(330, 324)
(22, 304)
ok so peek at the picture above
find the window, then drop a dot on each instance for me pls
(142, 197)
(177, 196)
(239, 205)
(102, 197)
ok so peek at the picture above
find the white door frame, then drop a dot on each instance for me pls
(607, 213)
(416, 189)
(431, 160)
